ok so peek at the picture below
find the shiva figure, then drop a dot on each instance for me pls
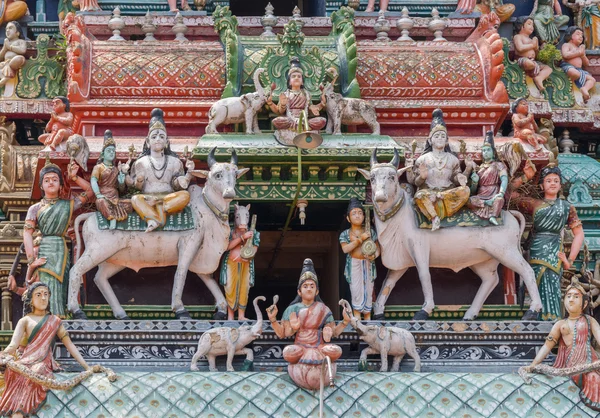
(442, 186)
(159, 175)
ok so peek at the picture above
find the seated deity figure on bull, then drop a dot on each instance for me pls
(442, 186)
(159, 175)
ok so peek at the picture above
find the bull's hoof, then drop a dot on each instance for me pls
(182, 314)
(379, 317)
(531, 316)
(363, 366)
(248, 366)
(219, 316)
(422, 315)
(79, 315)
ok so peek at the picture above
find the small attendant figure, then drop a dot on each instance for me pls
(106, 183)
(574, 59)
(12, 54)
(526, 50)
(550, 216)
(60, 126)
(574, 334)
(524, 126)
(237, 272)
(360, 271)
(38, 329)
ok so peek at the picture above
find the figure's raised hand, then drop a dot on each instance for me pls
(365, 235)
(283, 99)
(72, 170)
(462, 179)
(563, 257)
(38, 262)
(124, 168)
(272, 313)
(423, 171)
(248, 234)
(529, 170)
(189, 165)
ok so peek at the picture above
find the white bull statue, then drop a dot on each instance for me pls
(404, 245)
(198, 250)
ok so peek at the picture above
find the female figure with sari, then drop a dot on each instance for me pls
(106, 183)
(32, 344)
(573, 334)
(546, 256)
(312, 322)
(52, 217)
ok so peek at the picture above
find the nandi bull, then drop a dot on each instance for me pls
(404, 245)
(198, 250)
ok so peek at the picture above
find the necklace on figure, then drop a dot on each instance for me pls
(439, 162)
(159, 173)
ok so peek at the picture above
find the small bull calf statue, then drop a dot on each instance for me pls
(346, 111)
(384, 341)
(230, 341)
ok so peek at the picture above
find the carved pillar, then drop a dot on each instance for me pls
(6, 324)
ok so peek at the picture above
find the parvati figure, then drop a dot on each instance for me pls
(546, 255)
(546, 22)
(159, 175)
(489, 183)
(573, 334)
(52, 217)
(442, 185)
(107, 181)
(312, 322)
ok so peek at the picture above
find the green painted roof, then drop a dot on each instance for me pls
(265, 394)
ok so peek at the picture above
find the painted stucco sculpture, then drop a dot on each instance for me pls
(60, 126)
(526, 51)
(12, 54)
(51, 216)
(113, 250)
(311, 321)
(575, 59)
(385, 341)
(346, 111)
(243, 109)
(237, 270)
(404, 245)
(550, 216)
(229, 341)
(547, 17)
(359, 243)
(524, 126)
(574, 335)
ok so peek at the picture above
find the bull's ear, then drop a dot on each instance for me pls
(381, 333)
(365, 173)
(202, 174)
(240, 173)
(248, 207)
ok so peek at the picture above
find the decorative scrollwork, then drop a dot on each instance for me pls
(38, 68)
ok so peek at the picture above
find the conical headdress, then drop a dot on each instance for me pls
(308, 273)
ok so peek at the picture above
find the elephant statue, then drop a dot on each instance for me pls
(239, 109)
(384, 341)
(230, 341)
(346, 111)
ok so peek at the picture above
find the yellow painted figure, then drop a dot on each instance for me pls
(237, 272)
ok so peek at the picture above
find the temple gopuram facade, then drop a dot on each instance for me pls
(305, 208)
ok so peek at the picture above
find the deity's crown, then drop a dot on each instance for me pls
(308, 273)
(49, 164)
(157, 120)
(295, 66)
(489, 139)
(108, 139)
(437, 122)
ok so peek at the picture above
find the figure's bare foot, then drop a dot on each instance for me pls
(185, 7)
(435, 224)
(152, 225)
(586, 94)
(493, 221)
(539, 85)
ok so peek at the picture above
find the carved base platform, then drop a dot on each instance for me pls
(169, 345)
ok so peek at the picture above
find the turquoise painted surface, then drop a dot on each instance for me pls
(260, 394)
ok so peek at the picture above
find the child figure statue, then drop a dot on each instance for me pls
(360, 244)
(524, 126)
(573, 334)
(237, 270)
(60, 126)
(574, 59)
(526, 50)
